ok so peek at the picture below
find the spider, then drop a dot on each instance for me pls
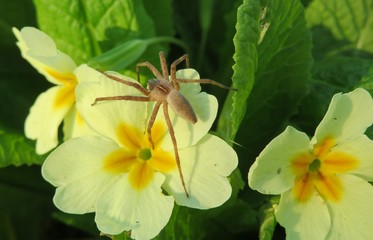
(163, 91)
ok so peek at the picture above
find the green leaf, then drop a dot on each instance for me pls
(278, 57)
(246, 58)
(367, 83)
(268, 224)
(88, 28)
(16, 150)
(330, 75)
(350, 22)
(161, 13)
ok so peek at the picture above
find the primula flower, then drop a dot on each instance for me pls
(118, 175)
(57, 103)
(323, 182)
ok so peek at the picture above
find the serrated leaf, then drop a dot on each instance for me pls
(278, 57)
(245, 41)
(349, 21)
(88, 28)
(16, 150)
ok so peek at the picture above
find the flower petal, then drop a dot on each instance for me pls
(348, 116)
(361, 149)
(40, 50)
(303, 220)
(204, 105)
(271, 172)
(80, 196)
(44, 119)
(352, 217)
(104, 117)
(121, 208)
(75, 126)
(205, 167)
(77, 158)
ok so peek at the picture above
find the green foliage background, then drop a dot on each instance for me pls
(287, 58)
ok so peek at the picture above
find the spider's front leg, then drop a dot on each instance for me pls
(151, 67)
(130, 98)
(185, 58)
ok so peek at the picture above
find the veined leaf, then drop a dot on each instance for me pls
(278, 57)
(246, 58)
(88, 28)
(349, 21)
(330, 75)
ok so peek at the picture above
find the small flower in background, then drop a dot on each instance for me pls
(57, 103)
(119, 176)
(323, 182)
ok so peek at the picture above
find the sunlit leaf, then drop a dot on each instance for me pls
(349, 21)
(89, 28)
(276, 57)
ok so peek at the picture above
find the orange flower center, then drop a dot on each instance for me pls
(318, 171)
(137, 158)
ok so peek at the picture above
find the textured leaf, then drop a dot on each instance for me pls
(349, 21)
(246, 58)
(16, 150)
(330, 75)
(87, 28)
(278, 57)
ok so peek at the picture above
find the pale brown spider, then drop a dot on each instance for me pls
(166, 92)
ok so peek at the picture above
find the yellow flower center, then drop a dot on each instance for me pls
(319, 171)
(137, 158)
(66, 93)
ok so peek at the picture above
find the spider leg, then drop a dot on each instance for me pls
(150, 67)
(138, 86)
(208, 81)
(151, 122)
(163, 61)
(185, 58)
(130, 98)
(172, 134)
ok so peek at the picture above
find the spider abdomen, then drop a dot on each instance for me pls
(181, 106)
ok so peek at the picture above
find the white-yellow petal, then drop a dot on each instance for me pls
(75, 126)
(145, 212)
(205, 167)
(40, 50)
(104, 117)
(204, 105)
(271, 172)
(76, 158)
(44, 119)
(348, 116)
(361, 149)
(80, 196)
(308, 220)
(352, 217)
